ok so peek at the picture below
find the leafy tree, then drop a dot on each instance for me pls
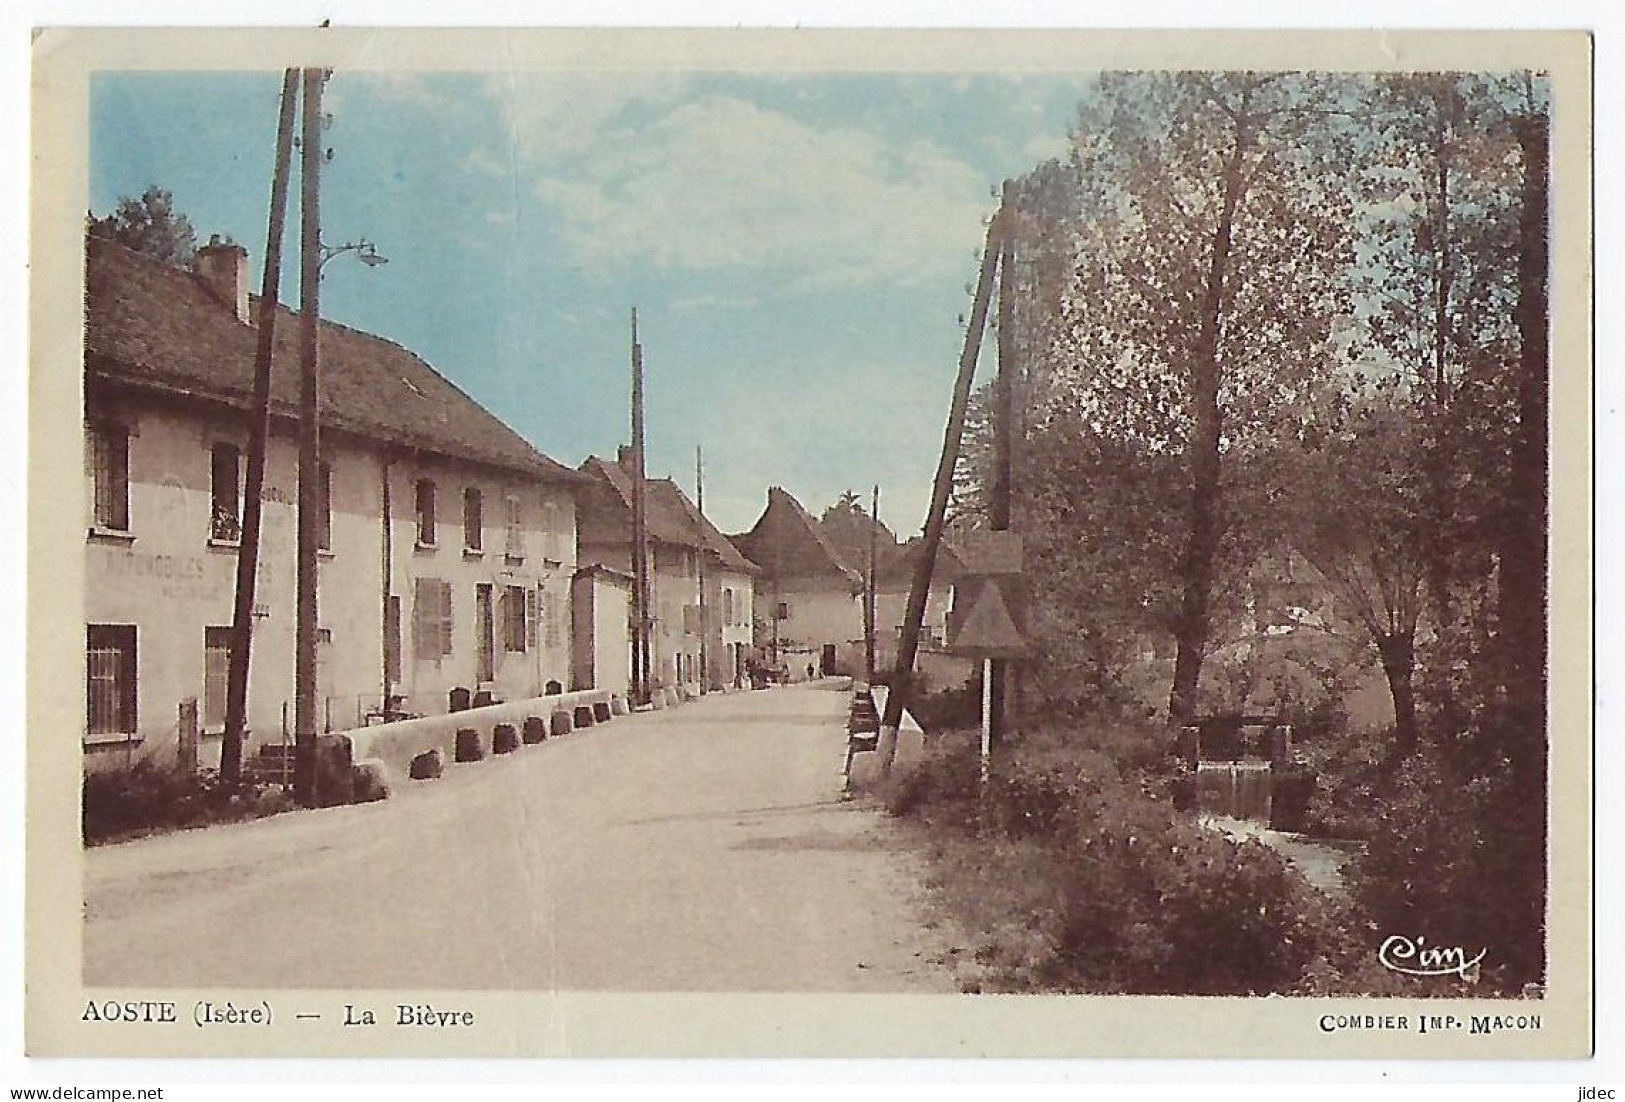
(1355, 514)
(1453, 286)
(1102, 549)
(847, 525)
(973, 469)
(151, 226)
(1214, 245)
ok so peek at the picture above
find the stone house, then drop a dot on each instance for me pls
(810, 612)
(683, 547)
(448, 541)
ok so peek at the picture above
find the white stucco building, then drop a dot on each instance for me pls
(449, 540)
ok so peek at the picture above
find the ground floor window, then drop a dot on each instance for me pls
(431, 619)
(110, 679)
(515, 618)
(216, 666)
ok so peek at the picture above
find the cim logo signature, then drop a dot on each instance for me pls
(1417, 958)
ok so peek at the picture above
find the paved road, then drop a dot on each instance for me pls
(699, 848)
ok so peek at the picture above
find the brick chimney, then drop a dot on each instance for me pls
(224, 268)
(626, 459)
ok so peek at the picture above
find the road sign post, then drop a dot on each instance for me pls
(989, 609)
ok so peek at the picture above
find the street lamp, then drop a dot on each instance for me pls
(363, 249)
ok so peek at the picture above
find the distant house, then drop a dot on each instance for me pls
(811, 608)
(683, 546)
(730, 601)
(601, 610)
(448, 542)
(894, 576)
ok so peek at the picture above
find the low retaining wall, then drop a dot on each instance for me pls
(910, 750)
(394, 745)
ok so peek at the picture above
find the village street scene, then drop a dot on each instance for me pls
(944, 533)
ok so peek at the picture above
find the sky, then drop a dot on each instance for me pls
(799, 247)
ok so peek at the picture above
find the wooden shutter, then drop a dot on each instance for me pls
(392, 640)
(533, 612)
(445, 618)
(426, 618)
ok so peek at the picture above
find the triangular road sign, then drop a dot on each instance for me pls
(988, 631)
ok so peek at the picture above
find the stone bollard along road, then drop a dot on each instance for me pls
(700, 848)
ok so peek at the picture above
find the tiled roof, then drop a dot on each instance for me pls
(715, 542)
(669, 515)
(788, 543)
(154, 326)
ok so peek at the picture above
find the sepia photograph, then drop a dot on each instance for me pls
(764, 519)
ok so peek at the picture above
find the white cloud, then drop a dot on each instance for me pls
(692, 304)
(639, 176)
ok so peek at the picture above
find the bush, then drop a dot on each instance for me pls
(1462, 865)
(944, 787)
(949, 709)
(1082, 876)
(1355, 778)
(147, 798)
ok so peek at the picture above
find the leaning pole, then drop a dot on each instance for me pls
(248, 551)
(914, 615)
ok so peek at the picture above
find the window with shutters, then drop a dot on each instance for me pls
(225, 494)
(514, 636)
(553, 534)
(392, 640)
(431, 619)
(515, 518)
(473, 519)
(216, 664)
(446, 619)
(555, 623)
(484, 633)
(423, 504)
(324, 507)
(110, 680)
(110, 477)
(426, 619)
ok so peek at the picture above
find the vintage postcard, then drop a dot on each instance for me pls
(810, 543)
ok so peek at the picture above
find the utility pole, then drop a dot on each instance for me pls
(775, 567)
(705, 627)
(640, 540)
(998, 672)
(871, 592)
(914, 615)
(248, 551)
(310, 259)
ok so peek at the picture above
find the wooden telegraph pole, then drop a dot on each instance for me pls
(997, 672)
(640, 540)
(309, 506)
(248, 551)
(914, 615)
(870, 592)
(705, 627)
